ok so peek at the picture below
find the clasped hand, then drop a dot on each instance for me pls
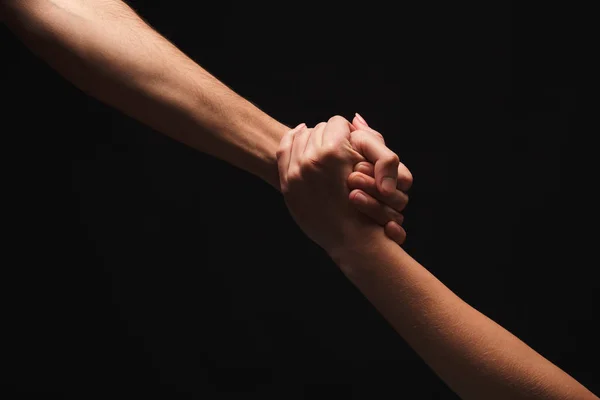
(341, 183)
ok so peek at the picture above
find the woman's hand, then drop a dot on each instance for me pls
(383, 207)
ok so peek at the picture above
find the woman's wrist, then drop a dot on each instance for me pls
(359, 251)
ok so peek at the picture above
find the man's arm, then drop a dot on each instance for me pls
(106, 50)
(475, 356)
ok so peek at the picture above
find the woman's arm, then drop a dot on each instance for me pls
(475, 356)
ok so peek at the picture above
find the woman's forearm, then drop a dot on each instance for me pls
(475, 356)
(106, 50)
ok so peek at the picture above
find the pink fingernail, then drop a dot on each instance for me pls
(361, 119)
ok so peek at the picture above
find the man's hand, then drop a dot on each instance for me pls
(314, 165)
(366, 182)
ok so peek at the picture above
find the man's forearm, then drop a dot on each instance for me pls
(475, 356)
(106, 50)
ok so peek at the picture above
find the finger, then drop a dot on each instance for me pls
(315, 141)
(397, 200)
(395, 232)
(365, 167)
(284, 154)
(380, 213)
(386, 161)
(405, 178)
(337, 128)
(300, 140)
(359, 123)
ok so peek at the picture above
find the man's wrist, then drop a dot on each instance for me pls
(276, 131)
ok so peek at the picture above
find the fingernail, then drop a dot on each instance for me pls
(360, 198)
(388, 185)
(358, 181)
(360, 167)
(397, 225)
(361, 119)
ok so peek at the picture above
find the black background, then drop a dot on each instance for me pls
(135, 264)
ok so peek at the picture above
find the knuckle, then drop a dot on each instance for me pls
(330, 152)
(401, 203)
(309, 165)
(391, 158)
(280, 152)
(294, 175)
(337, 119)
(391, 214)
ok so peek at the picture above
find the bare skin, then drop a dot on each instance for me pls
(475, 356)
(104, 48)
